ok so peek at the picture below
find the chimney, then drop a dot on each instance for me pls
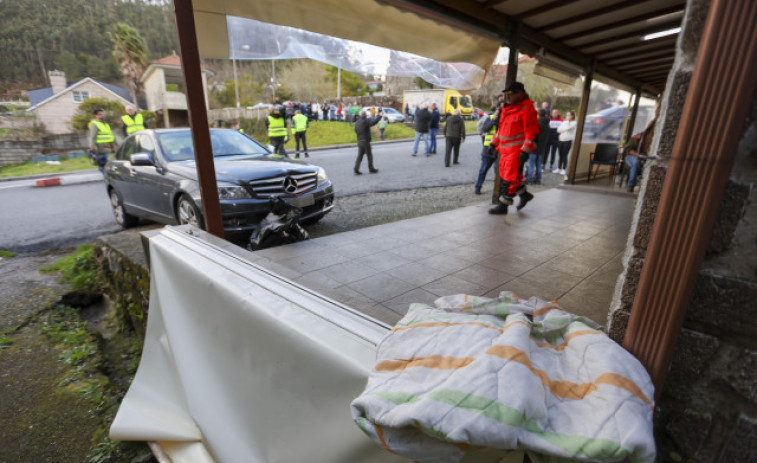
(57, 81)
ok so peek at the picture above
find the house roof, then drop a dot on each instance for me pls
(41, 96)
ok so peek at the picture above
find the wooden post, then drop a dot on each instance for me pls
(583, 108)
(198, 116)
(717, 104)
(634, 113)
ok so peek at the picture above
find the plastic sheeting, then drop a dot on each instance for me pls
(242, 365)
(255, 40)
(223, 32)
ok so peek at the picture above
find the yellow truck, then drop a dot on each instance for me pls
(446, 99)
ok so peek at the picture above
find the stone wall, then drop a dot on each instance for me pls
(124, 266)
(14, 152)
(708, 408)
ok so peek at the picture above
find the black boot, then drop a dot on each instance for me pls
(499, 209)
(525, 197)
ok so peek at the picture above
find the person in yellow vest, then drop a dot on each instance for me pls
(487, 129)
(300, 123)
(133, 121)
(102, 142)
(277, 130)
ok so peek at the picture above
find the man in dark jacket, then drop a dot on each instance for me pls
(433, 127)
(363, 131)
(542, 147)
(454, 131)
(422, 125)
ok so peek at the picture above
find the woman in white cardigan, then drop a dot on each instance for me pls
(566, 133)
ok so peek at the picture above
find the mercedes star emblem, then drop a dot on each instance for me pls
(290, 185)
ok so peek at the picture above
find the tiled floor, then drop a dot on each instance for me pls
(565, 246)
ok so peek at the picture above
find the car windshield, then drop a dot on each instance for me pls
(177, 146)
(465, 101)
(390, 111)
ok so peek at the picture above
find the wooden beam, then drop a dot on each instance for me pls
(624, 22)
(712, 122)
(651, 64)
(198, 116)
(638, 33)
(639, 58)
(654, 44)
(614, 8)
(546, 8)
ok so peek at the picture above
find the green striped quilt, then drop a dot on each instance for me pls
(477, 373)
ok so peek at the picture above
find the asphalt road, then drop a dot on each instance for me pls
(35, 219)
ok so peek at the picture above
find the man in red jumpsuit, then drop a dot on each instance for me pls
(515, 141)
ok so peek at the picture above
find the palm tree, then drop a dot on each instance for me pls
(130, 51)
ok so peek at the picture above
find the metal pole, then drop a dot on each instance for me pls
(236, 83)
(273, 78)
(338, 83)
(198, 116)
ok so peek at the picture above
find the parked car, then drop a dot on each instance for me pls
(391, 114)
(607, 125)
(478, 113)
(153, 176)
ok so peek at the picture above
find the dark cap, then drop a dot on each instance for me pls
(514, 87)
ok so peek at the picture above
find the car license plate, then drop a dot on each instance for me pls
(301, 201)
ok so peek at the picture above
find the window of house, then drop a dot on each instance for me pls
(80, 96)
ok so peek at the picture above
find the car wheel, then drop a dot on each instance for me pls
(187, 213)
(123, 218)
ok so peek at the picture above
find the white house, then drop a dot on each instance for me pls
(56, 105)
(163, 83)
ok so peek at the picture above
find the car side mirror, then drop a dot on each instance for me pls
(141, 159)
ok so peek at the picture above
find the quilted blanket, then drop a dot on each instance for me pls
(506, 373)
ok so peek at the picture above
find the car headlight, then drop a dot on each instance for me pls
(231, 191)
(321, 178)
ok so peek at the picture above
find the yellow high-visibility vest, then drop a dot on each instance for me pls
(104, 134)
(490, 133)
(300, 122)
(133, 125)
(276, 127)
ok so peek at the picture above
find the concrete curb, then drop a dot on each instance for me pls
(69, 180)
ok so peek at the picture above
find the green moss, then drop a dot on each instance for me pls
(6, 254)
(79, 269)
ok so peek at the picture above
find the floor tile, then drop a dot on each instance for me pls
(381, 287)
(417, 274)
(347, 272)
(401, 303)
(450, 285)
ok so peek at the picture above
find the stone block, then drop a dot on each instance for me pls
(742, 375)
(689, 430)
(742, 443)
(652, 194)
(725, 304)
(730, 212)
(671, 113)
(691, 357)
(631, 283)
(617, 324)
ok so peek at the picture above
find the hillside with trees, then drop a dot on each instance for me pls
(74, 36)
